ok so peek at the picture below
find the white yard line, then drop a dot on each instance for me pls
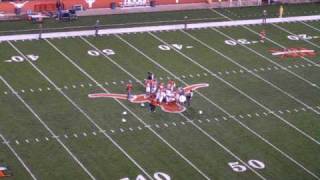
(120, 24)
(46, 126)
(223, 110)
(125, 107)
(188, 120)
(126, 129)
(249, 29)
(82, 112)
(273, 62)
(249, 71)
(16, 154)
(197, 75)
(291, 33)
(310, 26)
(238, 90)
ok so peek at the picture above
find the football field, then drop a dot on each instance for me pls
(259, 119)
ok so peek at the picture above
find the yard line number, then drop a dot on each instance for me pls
(301, 37)
(18, 59)
(165, 47)
(235, 42)
(238, 167)
(156, 176)
(107, 52)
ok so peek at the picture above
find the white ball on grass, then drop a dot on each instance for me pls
(124, 120)
(200, 112)
(142, 104)
(124, 113)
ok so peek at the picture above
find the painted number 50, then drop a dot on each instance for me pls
(237, 167)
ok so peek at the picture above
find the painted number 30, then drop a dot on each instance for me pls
(237, 167)
(156, 176)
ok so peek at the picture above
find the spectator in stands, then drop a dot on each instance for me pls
(59, 7)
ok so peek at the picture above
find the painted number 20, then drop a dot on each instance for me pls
(237, 167)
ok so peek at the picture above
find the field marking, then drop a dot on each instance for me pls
(238, 90)
(310, 26)
(188, 120)
(291, 33)
(124, 106)
(199, 128)
(136, 116)
(273, 62)
(16, 155)
(213, 139)
(86, 115)
(83, 84)
(44, 124)
(118, 24)
(243, 67)
(227, 113)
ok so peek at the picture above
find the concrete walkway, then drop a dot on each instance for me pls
(157, 28)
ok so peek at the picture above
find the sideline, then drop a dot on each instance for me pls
(157, 28)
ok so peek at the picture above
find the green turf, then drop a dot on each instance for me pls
(184, 146)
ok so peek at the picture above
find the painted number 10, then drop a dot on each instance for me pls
(237, 167)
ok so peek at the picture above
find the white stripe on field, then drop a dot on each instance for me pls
(16, 155)
(226, 112)
(45, 125)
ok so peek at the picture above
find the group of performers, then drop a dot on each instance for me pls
(159, 92)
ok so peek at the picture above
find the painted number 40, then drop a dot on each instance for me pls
(237, 167)
(156, 176)
(17, 59)
(164, 47)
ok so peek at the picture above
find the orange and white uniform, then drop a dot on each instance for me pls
(148, 84)
(154, 86)
(262, 36)
(161, 93)
(171, 85)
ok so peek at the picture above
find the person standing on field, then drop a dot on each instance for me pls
(281, 11)
(129, 90)
(264, 16)
(262, 35)
(96, 27)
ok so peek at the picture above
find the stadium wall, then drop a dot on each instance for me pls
(51, 5)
